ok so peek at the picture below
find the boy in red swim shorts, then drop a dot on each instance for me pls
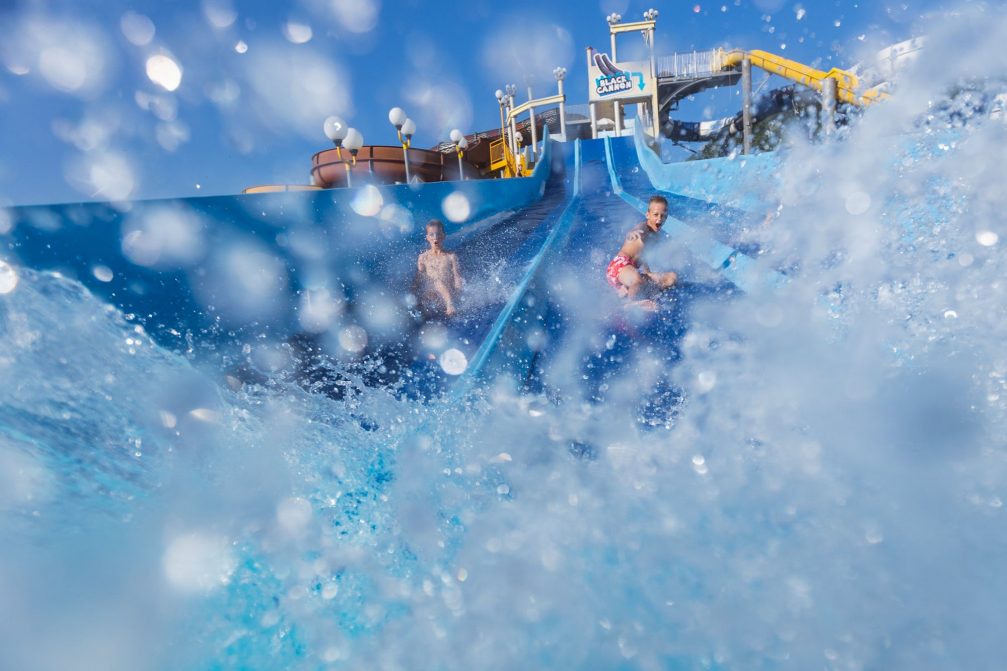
(627, 272)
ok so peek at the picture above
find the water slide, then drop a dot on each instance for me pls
(565, 292)
(258, 282)
(251, 280)
(848, 86)
(772, 103)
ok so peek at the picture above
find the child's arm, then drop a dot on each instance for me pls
(457, 280)
(632, 245)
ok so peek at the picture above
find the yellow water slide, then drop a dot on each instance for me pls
(847, 84)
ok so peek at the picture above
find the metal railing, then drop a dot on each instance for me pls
(501, 158)
(690, 65)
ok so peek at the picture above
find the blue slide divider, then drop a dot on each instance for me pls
(736, 266)
(743, 182)
(489, 345)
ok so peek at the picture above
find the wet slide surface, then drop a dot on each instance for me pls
(729, 225)
(262, 285)
(574, 335)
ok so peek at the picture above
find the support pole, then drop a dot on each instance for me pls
(746, 105)
(513, 139)
(534, 132)
(590, 84)
(461, 173)
(562, 112)
(829, 105)
(655, 103)
(616, 107)
(508, 132)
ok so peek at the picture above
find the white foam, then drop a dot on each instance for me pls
(198, 561)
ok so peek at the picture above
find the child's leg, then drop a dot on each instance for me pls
(664, 280)
(632, 280)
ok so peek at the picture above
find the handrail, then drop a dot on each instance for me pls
(537, 102)
(847, 83)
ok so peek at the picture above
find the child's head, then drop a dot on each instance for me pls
(435, 231)
(657, 212)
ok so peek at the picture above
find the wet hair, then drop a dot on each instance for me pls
(658, 199)
(436, 223)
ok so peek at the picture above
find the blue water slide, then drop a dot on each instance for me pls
(734, 263)
(543, 315)
(748, 183)
(202, 272)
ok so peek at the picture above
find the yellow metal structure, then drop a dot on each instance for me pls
(501, 158)
(847, 83)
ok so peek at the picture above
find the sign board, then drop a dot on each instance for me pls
(629, 81)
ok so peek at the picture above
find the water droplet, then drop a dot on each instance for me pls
(8, 278)
(368, 201)
(987, 238)
(453, 361)
(164, 72)
(456, 207)
(706, 381)
(298, 33)
(102, 273)
(353, 339)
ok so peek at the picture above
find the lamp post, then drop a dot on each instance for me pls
(511, 89)
(648, 38)
(502, 102)
(335, 129)
(344, 136)
(405, 127)
(408, 130)
(560, 75)
(461, 144)
(534, 131)
(650, 15)
(353, 142)
(613, 19)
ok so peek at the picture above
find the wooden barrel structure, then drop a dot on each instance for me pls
(377, 164)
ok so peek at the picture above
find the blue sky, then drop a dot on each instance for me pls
(83, 116)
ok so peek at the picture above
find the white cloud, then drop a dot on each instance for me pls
(519, 50)
(295, 88)
(67, 54)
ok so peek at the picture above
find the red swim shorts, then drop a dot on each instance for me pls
(615, 266)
